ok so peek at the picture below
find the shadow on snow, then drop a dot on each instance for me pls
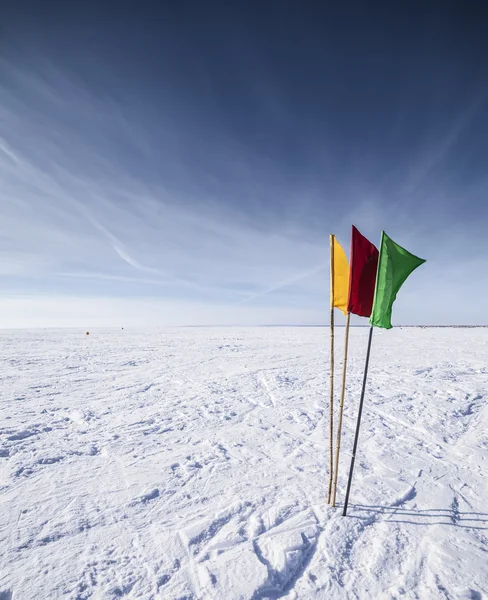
(412, 516)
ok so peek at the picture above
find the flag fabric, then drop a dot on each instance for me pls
(364, 262)
(394, 266)
(339, 276)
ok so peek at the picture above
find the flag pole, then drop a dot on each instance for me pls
(331, 401)
(341, 407)
(358, 424)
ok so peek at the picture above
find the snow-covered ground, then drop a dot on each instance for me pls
(192, 464)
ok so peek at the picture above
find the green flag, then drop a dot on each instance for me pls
(394, 265)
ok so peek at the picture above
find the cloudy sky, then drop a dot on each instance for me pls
(183, 163)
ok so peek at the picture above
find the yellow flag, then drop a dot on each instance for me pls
(339, 276)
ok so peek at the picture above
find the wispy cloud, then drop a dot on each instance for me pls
(96, 203)
(287, 282)
(82, 215)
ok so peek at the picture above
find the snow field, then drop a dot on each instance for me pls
(192, 464)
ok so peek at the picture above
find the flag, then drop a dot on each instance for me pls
(394, 266)
(364, 262)
(339, 276)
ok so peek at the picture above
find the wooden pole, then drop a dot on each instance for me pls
(358, 424)
(331, 401)
(341, 407)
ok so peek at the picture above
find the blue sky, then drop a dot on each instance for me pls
(184, 163)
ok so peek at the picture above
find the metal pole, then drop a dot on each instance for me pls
(341, 408)
(346, 501)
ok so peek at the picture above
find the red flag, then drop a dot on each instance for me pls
(362, 277)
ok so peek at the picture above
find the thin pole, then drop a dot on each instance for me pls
(341, 408)
(346, 501)
(331, 401)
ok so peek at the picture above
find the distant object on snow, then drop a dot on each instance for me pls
(87, 333)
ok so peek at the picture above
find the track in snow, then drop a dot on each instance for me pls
(192, 463)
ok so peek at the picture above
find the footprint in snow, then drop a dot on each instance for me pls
(147, 497)
(22, 434)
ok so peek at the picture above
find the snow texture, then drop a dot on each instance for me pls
(192, 464)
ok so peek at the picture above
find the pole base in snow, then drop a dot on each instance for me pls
(358, 424)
